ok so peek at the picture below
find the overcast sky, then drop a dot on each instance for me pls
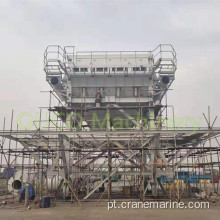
(192, 27)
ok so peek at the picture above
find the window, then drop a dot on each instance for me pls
(105, 69)
(136, 69)
(76, 69)
(120, 68)
(99, 69)
(84, 69)
(113, 69)
(143, 68)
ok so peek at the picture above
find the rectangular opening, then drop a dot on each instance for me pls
(143, 68)
(76, 69)
(120, 68)
(136, 68)
(99, 69)
(84, 69)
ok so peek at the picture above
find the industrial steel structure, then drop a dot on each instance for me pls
(108, 135)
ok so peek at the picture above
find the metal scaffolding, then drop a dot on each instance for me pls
(140, 159)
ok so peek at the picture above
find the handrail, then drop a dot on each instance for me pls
(59, 51)
(165, 53)
(162, 53)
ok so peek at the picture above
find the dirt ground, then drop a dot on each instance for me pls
(99, 211)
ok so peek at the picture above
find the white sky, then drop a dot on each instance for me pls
(27, 27)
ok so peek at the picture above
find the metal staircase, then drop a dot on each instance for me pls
(165, 61)
(56, 58)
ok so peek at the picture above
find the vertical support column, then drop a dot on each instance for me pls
(109, 156)
(154, 151)
(64, 155)
(142, 169)
(154, 155)
(69, 92)
(109, 173)
(151, 118)
(108, 119)
(118, 92)
(26, 195)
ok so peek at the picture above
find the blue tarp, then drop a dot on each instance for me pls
(8, 172)
(31, 192)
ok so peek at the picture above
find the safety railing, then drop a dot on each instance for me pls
(165, 61)
(54, 53)
(56, 59)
